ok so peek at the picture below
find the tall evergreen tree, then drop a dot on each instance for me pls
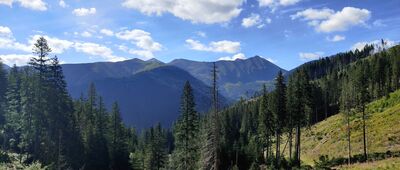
(278, 108)
(362, 97)
(186, 132)
(346, 104)
(119, 155)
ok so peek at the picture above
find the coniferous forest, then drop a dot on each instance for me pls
(42, 127)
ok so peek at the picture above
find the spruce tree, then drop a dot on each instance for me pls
(186, 131)
(278, 108)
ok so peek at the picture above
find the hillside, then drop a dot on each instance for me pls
(237, 78)
(329, 136)
(152, 96)
(78, 76)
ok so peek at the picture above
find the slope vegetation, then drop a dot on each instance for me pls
(329, 136)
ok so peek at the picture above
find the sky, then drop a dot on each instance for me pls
(285, 32)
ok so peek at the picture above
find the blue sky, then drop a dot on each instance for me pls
(286, 32)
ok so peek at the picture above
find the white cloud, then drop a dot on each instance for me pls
(34, 4)
(84, 11)
(255, 20)
(97, 50)
(197, 11)
(57, 46)
(17, 59)
(107, 32)
(7, 40)
(215, 46)
(377, 44)
(379, 23)
(142, 54)
(326, 20)
(240, 56)
(271, 60)
(145, 44)
(201, 34)
(86, 34)
(268, 20)
(62, 4)
(336, 38)
(252, 20)
(313, 14)
(310, 56)
(5, 31)
(38, 5)
(274, 4)
(6, 2)
(140, 38)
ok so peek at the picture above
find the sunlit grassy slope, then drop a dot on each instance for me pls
(329, 136)
(387, 164)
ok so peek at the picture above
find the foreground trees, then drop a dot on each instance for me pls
(186, 131)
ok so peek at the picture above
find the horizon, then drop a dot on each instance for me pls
(88, 32)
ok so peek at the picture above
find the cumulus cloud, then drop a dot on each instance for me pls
(255, 20)
(7, 40)
(57, 46)
(107, 32)
(336, 38)
(214, 46)
(240, 56)
(97, 50)
(376, 43)
(86, 34)
(274, 4)
(201, 34)
(37, 5)
(252, 20)
(326, 20)
(6, 2)
(5, 31)
(313, 14)
(84, 11)
(196, 11)
(17, 59)
(142, 40)
(62, 4)
(310, 56)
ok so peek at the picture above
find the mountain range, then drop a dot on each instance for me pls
(149, 91)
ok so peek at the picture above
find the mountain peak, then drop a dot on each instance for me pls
(154, 60)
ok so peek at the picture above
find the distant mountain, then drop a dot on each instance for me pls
(81, 75)
(149, 91)
(236, 78)
(152, 96)
(6, 67)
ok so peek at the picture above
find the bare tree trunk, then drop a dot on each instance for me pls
(348, 137)
(364, 133)
(290, 143)
(278, 142)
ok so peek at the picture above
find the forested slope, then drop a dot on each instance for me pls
(329, 137)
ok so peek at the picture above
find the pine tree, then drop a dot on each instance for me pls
(299, 105)
(265, 122)
(186, 131)
(278, 108)
(347, 103)
(3, 89)
(13, 108)
(119, 155)
(362, 97)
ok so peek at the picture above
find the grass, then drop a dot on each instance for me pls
(387, 164)
(329, 137)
